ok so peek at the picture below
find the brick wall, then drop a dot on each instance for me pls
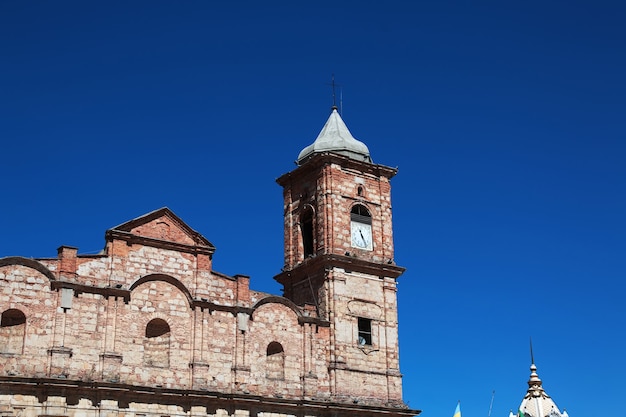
(145, 314)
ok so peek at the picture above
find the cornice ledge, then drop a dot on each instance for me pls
(131, 238)
(346, 262)
(125, 393)
(320, 159)
(89, 289)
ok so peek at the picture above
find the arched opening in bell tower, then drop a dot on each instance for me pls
(306, 227)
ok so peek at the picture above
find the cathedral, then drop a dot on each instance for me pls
(147, 328)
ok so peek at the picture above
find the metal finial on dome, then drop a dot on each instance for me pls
(333, 85)
(537, 402)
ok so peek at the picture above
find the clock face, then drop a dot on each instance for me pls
(361, 235)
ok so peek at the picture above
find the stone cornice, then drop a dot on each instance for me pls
(124, 394)
(131, 239)
(202, 303)
(348, 263)
(88, 289)
(319, 160)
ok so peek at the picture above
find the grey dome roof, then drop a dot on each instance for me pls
(335, 137)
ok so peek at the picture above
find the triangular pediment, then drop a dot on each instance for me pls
(162, 226)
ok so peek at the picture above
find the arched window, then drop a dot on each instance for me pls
(360, 213)
(275, 361)
(156, 344)
(306, 226)
(12, 331)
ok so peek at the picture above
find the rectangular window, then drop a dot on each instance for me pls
(365, 331)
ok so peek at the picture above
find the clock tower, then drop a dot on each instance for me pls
(339, 259)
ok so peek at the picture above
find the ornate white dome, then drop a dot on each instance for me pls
(536, 402)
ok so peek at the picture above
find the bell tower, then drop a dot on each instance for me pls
(339, 257)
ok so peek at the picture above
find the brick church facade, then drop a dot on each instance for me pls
(147, 327)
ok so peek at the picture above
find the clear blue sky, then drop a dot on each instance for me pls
(506, 120)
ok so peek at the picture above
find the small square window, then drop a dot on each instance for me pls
(365, 332)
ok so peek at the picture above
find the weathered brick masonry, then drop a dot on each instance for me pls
(147, 328)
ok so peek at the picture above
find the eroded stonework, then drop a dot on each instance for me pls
(149, 314)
